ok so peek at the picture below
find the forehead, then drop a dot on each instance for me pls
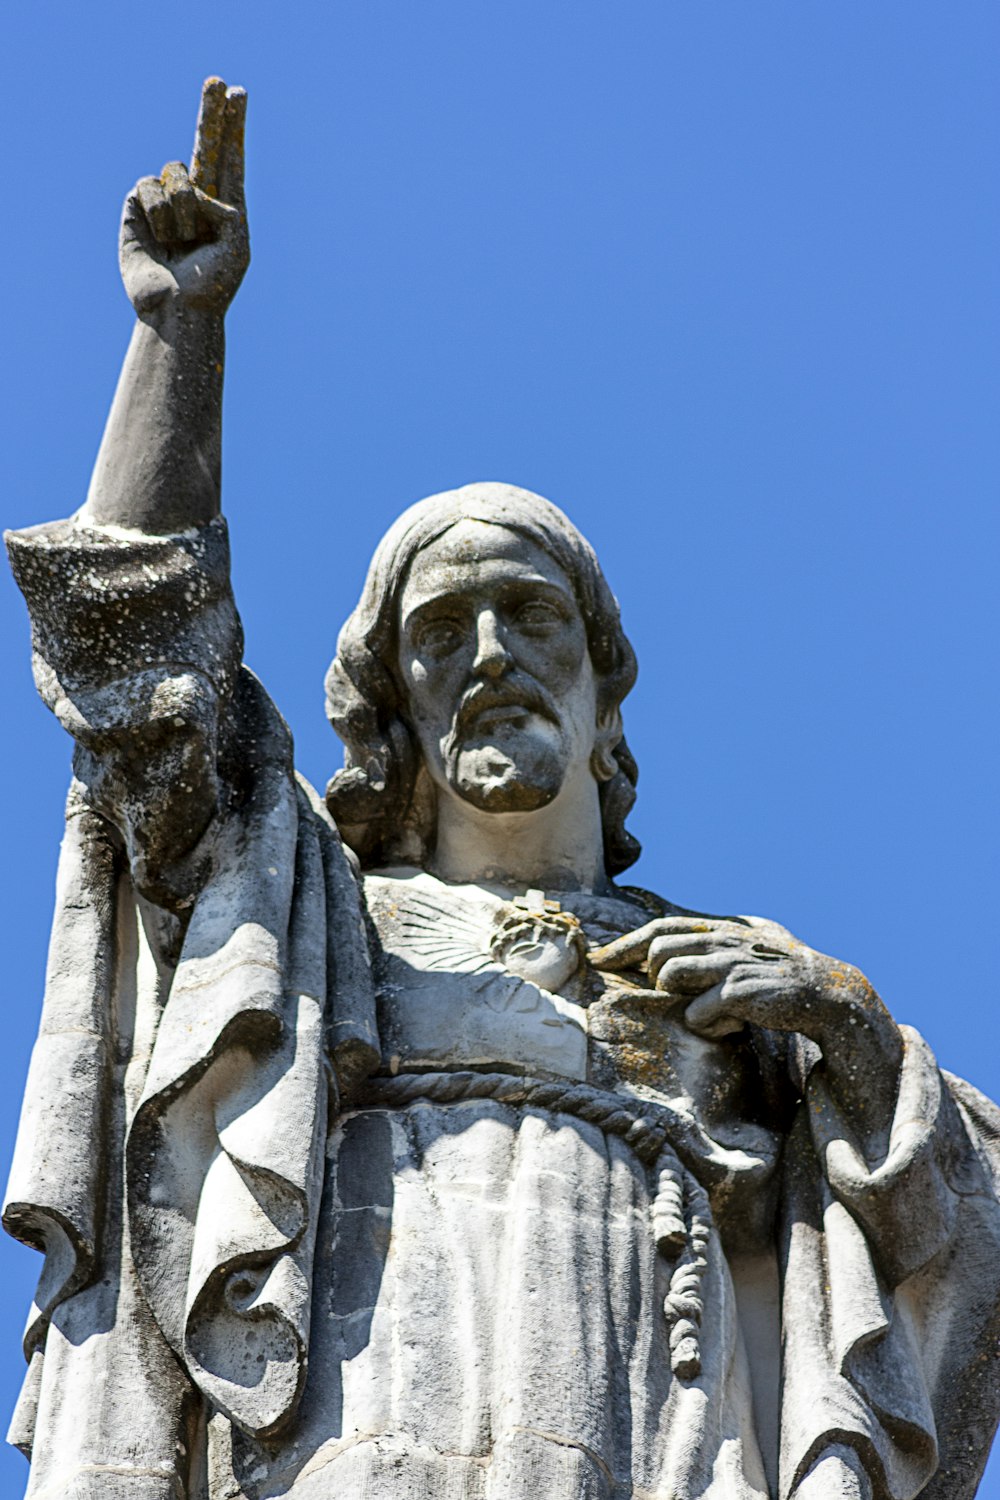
(475, 558)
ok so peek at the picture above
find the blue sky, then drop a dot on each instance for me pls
(718, 278)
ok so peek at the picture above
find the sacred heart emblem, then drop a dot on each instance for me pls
(514, 951)
(538, 942)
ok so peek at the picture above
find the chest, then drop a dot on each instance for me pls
(467, 979)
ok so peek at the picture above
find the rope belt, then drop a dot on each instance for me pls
(680, 1211)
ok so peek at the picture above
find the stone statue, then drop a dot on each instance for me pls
(383, 1145)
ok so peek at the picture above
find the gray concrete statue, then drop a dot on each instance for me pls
(383, 1145)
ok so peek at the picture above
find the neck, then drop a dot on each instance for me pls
(558, 847)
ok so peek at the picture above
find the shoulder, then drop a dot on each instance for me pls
(653, 905)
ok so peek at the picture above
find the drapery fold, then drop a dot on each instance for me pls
(56, 1189)
(224, 1153)
(897, 1255)
(224, 1150)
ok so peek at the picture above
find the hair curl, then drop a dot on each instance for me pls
(382, 801)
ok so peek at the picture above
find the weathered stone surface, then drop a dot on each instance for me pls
(384, 1145)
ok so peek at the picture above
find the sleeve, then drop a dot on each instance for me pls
(907, 1203)
(891, 1287)
(136, 648)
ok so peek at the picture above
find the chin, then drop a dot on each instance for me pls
(493, 780)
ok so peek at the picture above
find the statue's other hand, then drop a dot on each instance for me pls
(184, 236)
(730, 971)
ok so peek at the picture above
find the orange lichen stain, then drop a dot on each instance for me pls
(638, 1065)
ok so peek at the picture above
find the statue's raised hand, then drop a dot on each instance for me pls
(184, 235)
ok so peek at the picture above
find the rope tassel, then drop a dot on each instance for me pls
(669, 1228)
(681, 1228)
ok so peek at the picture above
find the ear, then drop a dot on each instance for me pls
(609, 733)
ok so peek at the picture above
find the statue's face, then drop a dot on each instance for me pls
(493, 653)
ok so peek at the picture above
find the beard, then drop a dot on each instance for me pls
(506, 750)
(522, 779)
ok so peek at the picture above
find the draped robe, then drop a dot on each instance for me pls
(333, 1203)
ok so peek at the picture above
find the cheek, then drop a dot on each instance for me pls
(556, 661)
(429, 692)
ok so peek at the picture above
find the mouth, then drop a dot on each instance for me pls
(508, 715)
(496, 706)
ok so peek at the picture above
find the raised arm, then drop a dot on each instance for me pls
(135, 637)
(184, 249)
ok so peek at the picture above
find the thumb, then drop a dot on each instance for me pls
(219, 215)
(711, 1015)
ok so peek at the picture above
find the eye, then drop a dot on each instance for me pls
(438, 637)
(537, 615)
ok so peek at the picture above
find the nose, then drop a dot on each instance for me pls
(492, 656)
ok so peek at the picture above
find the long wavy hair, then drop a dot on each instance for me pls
(383, 800)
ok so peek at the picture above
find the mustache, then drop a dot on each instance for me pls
(516, 691)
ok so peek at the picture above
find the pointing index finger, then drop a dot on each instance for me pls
(206, 159)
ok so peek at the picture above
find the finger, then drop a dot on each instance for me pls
(217, 214)
(683, 945)
(205, 158)
(156, 207)
(690, 976)
(631, 948)
(182, 200)
(712, 1016)
(136, 233)
(693, 921)
(233, 160)
(626, 951)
